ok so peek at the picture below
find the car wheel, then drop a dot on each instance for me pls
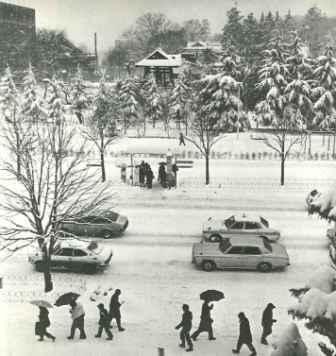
(39, 266)
(264, 267)
(215, 238)
(208, 266)
(107, 234)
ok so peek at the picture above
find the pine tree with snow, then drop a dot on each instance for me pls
(214, 96)
(287, 98)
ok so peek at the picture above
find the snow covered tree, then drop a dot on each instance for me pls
(153, 103)
(129, 102)
(214, 97)
(324, 92)
(180, 103)
(101, 128)
(51, 186)
(316, 305)
(287, 98)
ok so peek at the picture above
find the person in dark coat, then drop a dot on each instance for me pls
(44, 323)
(181, 138)
(77, 315)
(267, 322)
(205, 323)
(245, 336)
(142, 172)
(149, 177)
(104, 322)
(186, 325)
(162, 175)
(115, 309)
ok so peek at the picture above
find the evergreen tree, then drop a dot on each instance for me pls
(233, 30)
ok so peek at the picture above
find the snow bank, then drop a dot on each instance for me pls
(290, 343)
(324, 279)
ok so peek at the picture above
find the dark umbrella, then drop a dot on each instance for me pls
(66, 299)
(212, 295)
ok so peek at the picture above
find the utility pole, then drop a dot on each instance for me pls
(96, 50)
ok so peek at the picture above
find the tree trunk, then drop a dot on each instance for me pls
(144, 133)
(207, 170)
(102, 157)
(329, 142)
(309, 144)
(282, 178)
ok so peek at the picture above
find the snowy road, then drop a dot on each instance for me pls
(152, 267)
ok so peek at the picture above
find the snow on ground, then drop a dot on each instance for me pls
(151, 264)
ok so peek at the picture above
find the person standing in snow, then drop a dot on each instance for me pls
(162, 175)
(181, 139)
(245, 336)
(142, 172)
(115, 309)
(267, 322)
(43, 324)
(149, 177)
(104, 322)
(205, 323)
(186, 325)
(77, 315)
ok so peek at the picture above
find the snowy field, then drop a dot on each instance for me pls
(152, 264)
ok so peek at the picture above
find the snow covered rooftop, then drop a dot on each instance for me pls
(159, 58)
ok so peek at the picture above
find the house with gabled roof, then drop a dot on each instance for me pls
(165, 67)
(195, 50)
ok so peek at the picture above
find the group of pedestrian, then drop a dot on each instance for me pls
(205, 325)
(146, 175)
(78, 319)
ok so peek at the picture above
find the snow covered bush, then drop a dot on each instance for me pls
(323, 204)
(290, 343)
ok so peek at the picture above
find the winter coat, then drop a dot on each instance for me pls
(115, 305)
(245, 335)
(104, 319)
(44, 318)
(77, 311)
(206, 321)
(267, 319)
(149, 175)
(186, 322)
(162, 174)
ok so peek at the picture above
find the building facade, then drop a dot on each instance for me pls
(17, 35)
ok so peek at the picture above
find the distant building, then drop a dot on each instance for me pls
(197, 50)
(17, 35)
(165, 67)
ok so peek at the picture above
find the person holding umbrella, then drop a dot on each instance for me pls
(43, 324)
(104, 322)
(186, 325)
(77, 315)
(245, 336)
(206, 320)
(267, 322)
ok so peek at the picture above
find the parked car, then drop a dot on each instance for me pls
(240, 225)
(254, 253)
(107, 225)
(75, 256)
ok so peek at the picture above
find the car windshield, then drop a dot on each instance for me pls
(267, 244)
(224, 245)
(94, 247)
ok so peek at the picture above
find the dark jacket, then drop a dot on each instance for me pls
(205, 314)
(186, 322)
(115, 305)
(162, 174)
(44, 318)
(104, 319)
(245, 335)
(267, 318)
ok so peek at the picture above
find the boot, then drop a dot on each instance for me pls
(181, 345)
(235, 351)
(190, 348)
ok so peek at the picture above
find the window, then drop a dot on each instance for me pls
(238, 225)
(79, 253)
(267, 244)
(65, 252)
(224, 245)
(251, 250)
(251, 225)
(236, 250)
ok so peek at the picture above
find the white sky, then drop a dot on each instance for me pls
(109, 18)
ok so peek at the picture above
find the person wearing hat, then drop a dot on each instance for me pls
(245, 336)
(185, 326)
(104, 322)
(267, 322)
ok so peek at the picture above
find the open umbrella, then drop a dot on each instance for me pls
(212, 295)
(66, 299)
(41, 303)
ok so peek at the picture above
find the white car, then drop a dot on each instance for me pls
(75, 256)
(240, 253)
(239, 225)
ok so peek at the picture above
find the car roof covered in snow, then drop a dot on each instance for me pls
(246, 217)
(246, 240)
(72, 244)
